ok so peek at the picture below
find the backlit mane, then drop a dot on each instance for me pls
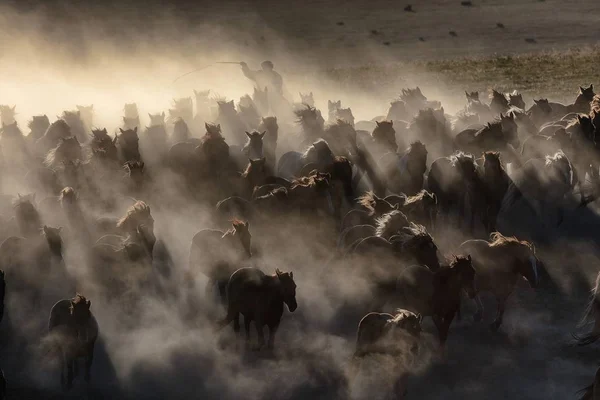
(411, 235)
(422, 197)
(370, 200)
(462, 158)
(402, 314)
(498, 240)
(389, 224)
(138, 211)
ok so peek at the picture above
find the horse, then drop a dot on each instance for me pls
(2, 295)
(254, 175)
(57, 130)
(74, 330)
(307, 99)
(540, 112)
(203, 107)
(217, 254)
(7, 114)
(37, 127)
(153, 144)
(158, 119)
(499, 104)
(542, 183)
(457, 186)
(253, 149)
(311, 123)
(515, 99)
(231, 123)
(406, 173)
(182, 108)
(67, 150)
(499, 263)
(270, 126)
(248, 112)
(181, 131)
(261, 99)
(495, 182)
(495, 136)
(383, 333)
(77, 125)
(15, 151)
(581, 104)
(128, 145)
(437, 294)
(371, 207)
(101, 141)
(342, 137)
(383, 138)
(259, 298)
(332, 108)
(431, 128)
(420, 208)
(540, 146)
(584, 146)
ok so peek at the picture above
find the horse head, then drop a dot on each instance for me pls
(288, 289)
(241, 231)
(466, 272)
(80, 315)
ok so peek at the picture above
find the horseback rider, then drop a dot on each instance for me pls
(265, 77)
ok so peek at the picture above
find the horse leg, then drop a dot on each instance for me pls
(499, 315)
(272, 331)
(236, 323)
(478, 316)
(259, 330)
(247, 329)
(89, 358)
(70, 363)
(63, 367)
(443, 325)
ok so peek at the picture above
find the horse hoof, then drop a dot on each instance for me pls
(478, 317)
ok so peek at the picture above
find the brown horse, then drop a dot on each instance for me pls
(421, 208)
(384, 333)
(128, 144)
(499, 264)
(75, 330)
(405, 173)
(253, 149)
(495, 182)
(259, 298)
(437, 294)
(270, 126)
(67, 150)
(217, 254)
(499, 104)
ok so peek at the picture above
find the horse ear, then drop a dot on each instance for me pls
(206, 126)
(391, 123)
(247, 224)
(135, 130)
(115, 139)
(291, 275)
(378, 123)
(150, 115)
(249, 135)
(163, 114)
(14, 107)
(88, 304)
(469, 257)
(263, 134)
(122, 131)
(219, 127)
(59, 229)
(142, 164)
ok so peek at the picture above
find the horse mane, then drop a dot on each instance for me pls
(100, 135)
(410, 235)
(68, 194)
(139, 209)
(11, 130)
(416, 148)
(78, 299)
(314, 150)
(306, 113)
(462, 158)
(499, 240)
(595, 104)
(388, 224)
(411, 94)
(311, 181)
(420, 197)
(577, 121)
(561, 161)
(52, 155)
(402, 314)
(368, 201)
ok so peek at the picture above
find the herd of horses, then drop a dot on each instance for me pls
(409, 203)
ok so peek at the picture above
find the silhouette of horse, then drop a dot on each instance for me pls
(76, 124)
(67, 150)
(437, 294)
(137, 214)
(543, 184)
(158, 119)
(153, 144)
(345, 114)
(421, 208)
(515, 99)
(581, 104)
(253, 149)
(259, 298)
(341, 136)
(405, 173)
(495, 182)
(217, 254)
(384, 138)
(182, 108)
(213, 150)
(499, 263)
(457, 186)
(181, 131)
(231, 123)
(128, 145)
(101, 141)
(540, 112)
(7, 114)
(332, 108)
(382, 333)
(432, 129)
(270, 126)
(37, 127)
(410, 103)
(203, 107)
(135, 174)
(495, 136)
(15, 151)
(248, 112)
(311, 123)
(74, 331)
(307, 99)
(584, 147)
(540, 146)
(499, 104)
(59, 129)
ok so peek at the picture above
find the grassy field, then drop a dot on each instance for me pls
(553, 74)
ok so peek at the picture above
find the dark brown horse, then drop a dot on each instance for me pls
(218, 254)
(495, 182)
(128, 145)
(437, 294)
(270, 126)
(495, 136)
(499, 264)
(592, 391)
(405, 173)
(259, 298)
(74, 331)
